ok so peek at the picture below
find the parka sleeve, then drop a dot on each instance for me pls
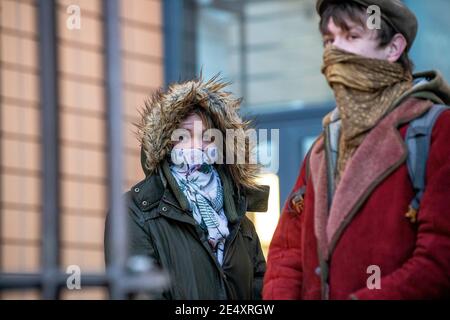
(140, 242)
(283, 278)
(259, 267)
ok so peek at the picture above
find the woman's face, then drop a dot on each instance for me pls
(192, 136)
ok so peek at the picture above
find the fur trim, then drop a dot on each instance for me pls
(382, 152)
(164, 112)
(319, 179)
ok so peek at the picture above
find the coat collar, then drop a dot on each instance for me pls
(382, 152)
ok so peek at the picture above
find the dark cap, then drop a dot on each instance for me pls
(395, 12)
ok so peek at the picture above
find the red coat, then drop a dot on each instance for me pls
(319, 253)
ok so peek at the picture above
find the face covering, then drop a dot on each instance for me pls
(365, 90)
(201, 184)
(194, 156)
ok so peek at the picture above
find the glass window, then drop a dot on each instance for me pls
(270, 50)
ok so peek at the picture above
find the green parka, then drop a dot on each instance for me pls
(161, 224)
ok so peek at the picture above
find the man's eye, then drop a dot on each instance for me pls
(327, 42)
(354, 36)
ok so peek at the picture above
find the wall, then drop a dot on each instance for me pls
(82, 128)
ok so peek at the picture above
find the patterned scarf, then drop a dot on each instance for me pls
(365, 90)
(202, 186)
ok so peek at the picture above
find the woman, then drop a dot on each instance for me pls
(188, 214)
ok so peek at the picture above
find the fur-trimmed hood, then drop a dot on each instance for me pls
(165, 110)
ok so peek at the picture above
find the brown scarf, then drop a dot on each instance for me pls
(365, 90)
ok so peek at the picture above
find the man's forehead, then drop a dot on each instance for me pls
(393, 12)
(350, 25)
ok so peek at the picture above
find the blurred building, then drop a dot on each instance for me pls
(82, 127)
(271, 50)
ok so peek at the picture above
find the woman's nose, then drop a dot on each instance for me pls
(197, 143)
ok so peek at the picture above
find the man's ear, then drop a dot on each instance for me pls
(396, 47)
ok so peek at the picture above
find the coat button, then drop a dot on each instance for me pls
(317, 271)
(136, 190)
(164, 209)
(144, 203)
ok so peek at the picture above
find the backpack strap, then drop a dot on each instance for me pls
(332, 133)
(418, 139)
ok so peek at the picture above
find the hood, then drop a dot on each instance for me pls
(429, 85)
(165, 110)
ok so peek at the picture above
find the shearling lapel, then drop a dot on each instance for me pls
(382, 152)
(319, 179)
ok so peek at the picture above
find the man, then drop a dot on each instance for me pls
(347, 230)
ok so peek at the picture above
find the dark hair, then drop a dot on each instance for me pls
(349, 11)
(206, 119)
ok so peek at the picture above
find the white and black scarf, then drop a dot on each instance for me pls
(202, 187)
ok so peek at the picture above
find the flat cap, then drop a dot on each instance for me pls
(395, 12)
